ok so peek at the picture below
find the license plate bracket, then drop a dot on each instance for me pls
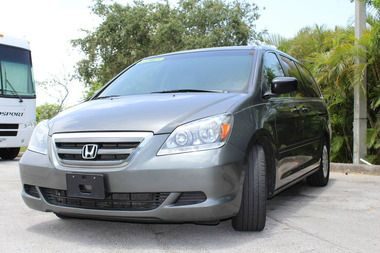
(89, 186)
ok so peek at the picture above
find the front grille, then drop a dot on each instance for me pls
(190, 198)
(113, 201)
(31, 190)
(106, 151)
(112, 148)
(8, 126)
(8, 133)
(8, 129)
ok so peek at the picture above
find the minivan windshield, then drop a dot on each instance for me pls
(16, 78)
(212, 71)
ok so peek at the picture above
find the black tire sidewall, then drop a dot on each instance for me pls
(252, 213)
(9, 153)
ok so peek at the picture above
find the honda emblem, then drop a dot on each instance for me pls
(89, 151)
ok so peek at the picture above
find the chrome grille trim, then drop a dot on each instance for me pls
(116, 147)
(126, 151)
(103, 164)
(69, 151)
(89, 137)
(115, 151)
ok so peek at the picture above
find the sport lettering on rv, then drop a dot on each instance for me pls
(13, 114)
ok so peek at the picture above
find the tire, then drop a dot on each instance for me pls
(252, 213)
(321, 177)
(9, 153)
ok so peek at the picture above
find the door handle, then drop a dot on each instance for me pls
(303, 109)
(295, 109)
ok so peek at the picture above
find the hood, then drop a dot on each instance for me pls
(157, 113)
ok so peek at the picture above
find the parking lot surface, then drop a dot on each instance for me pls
(342, 217)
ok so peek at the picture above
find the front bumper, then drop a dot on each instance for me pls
(217, 173)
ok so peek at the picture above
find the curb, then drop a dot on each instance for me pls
(348, 168)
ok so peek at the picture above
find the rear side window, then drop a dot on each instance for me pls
(305, 84)
(313, 90)
(271, 69)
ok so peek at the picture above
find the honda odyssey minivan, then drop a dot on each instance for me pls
(195, 136)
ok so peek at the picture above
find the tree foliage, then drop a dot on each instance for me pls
(128, 33)
(330, 54)
(57, 88)
(47, 111)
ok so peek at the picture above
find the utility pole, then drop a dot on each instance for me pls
(360, 90)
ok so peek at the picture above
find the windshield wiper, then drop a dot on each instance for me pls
(10, 85)
(110, 96)
(169, 91)
(188, 90)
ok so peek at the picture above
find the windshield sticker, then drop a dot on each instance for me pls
(152, 60)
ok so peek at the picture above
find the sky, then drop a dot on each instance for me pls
(50, 25)
(287, 17)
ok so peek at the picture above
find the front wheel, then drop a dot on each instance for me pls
(321, 177)
(9, 153)
(252, 213)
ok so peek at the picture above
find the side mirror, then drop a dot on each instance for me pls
(281, 85)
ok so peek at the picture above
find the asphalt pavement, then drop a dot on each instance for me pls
(342, 217)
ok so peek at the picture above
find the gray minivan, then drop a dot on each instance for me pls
(194, 136)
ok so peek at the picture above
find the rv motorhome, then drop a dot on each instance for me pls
(17, 96)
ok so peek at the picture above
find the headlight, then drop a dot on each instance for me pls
(208, 133)
(38, 141)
